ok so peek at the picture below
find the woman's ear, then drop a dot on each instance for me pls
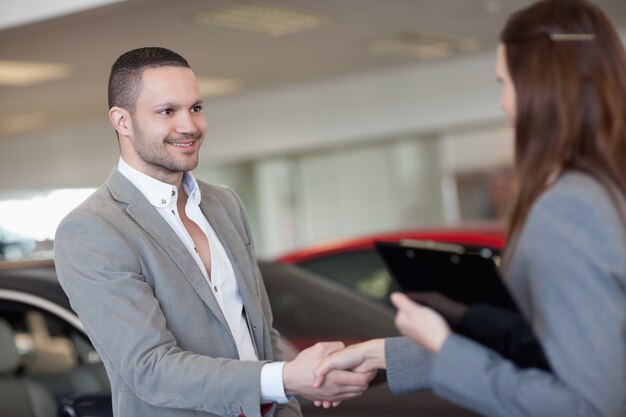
(121, 121)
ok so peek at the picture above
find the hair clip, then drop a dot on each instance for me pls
(572, 37)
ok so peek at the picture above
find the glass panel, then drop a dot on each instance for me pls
(363, 271)
(53, 352)
(309, 308)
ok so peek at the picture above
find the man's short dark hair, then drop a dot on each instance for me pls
(125, 78)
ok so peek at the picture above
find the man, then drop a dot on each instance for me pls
(162, 271)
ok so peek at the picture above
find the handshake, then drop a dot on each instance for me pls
(329, 372)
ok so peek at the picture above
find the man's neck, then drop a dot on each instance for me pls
(160, 174)
(181, 201)
(168, 177)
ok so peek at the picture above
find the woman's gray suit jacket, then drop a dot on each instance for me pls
(568, 276)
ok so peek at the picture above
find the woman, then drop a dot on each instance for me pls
(563, 74)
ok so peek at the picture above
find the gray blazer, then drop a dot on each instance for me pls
(150, 313)
(568, 275)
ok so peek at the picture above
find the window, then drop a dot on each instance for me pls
(53, 352)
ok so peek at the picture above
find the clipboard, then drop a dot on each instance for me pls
(465, 274)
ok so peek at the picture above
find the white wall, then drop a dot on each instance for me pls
(411, 99)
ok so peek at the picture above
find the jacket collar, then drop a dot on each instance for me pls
(140, 209)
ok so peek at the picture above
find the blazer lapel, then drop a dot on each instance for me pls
(140, 209)
(237, 252)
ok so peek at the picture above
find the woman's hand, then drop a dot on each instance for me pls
(421, 324)
(452, 311)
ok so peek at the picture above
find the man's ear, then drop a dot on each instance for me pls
(121, 121)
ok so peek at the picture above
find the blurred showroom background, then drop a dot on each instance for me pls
(329, 117)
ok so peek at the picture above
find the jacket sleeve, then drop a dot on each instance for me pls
(408, 366)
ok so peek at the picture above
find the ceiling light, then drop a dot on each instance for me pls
(25, 73)
(216, 87)
(260, 18)
(22, 123)
(425, 46)
(425, 51)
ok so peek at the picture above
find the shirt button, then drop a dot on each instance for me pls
(173, 193)
(163, 201)
(215, 288)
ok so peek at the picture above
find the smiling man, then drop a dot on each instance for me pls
(161, 268)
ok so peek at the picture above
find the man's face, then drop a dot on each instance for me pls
(168, 124)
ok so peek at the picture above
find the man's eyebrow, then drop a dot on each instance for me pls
(176, 106)
(166, 105)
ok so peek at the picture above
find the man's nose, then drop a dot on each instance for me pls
(186, 123)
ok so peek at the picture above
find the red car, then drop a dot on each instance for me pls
(354, 261)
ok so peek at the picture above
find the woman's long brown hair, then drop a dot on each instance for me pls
(568, 66)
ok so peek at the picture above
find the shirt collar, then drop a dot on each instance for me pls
(159, 194)
(191, 187)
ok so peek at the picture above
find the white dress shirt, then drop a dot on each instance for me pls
(222, 280)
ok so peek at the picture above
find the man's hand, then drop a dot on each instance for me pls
(339, 385)
(362, 357)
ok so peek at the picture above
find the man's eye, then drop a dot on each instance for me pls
(166, 112)
(196, 109)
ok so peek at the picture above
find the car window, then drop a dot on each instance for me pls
(54, 352)
(308, 308)
(361, 270)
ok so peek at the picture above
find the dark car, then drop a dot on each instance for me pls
(58, 368)
(354, 262)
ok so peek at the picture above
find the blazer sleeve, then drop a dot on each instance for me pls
(99, 269)
(408, 366)
(571, 253)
